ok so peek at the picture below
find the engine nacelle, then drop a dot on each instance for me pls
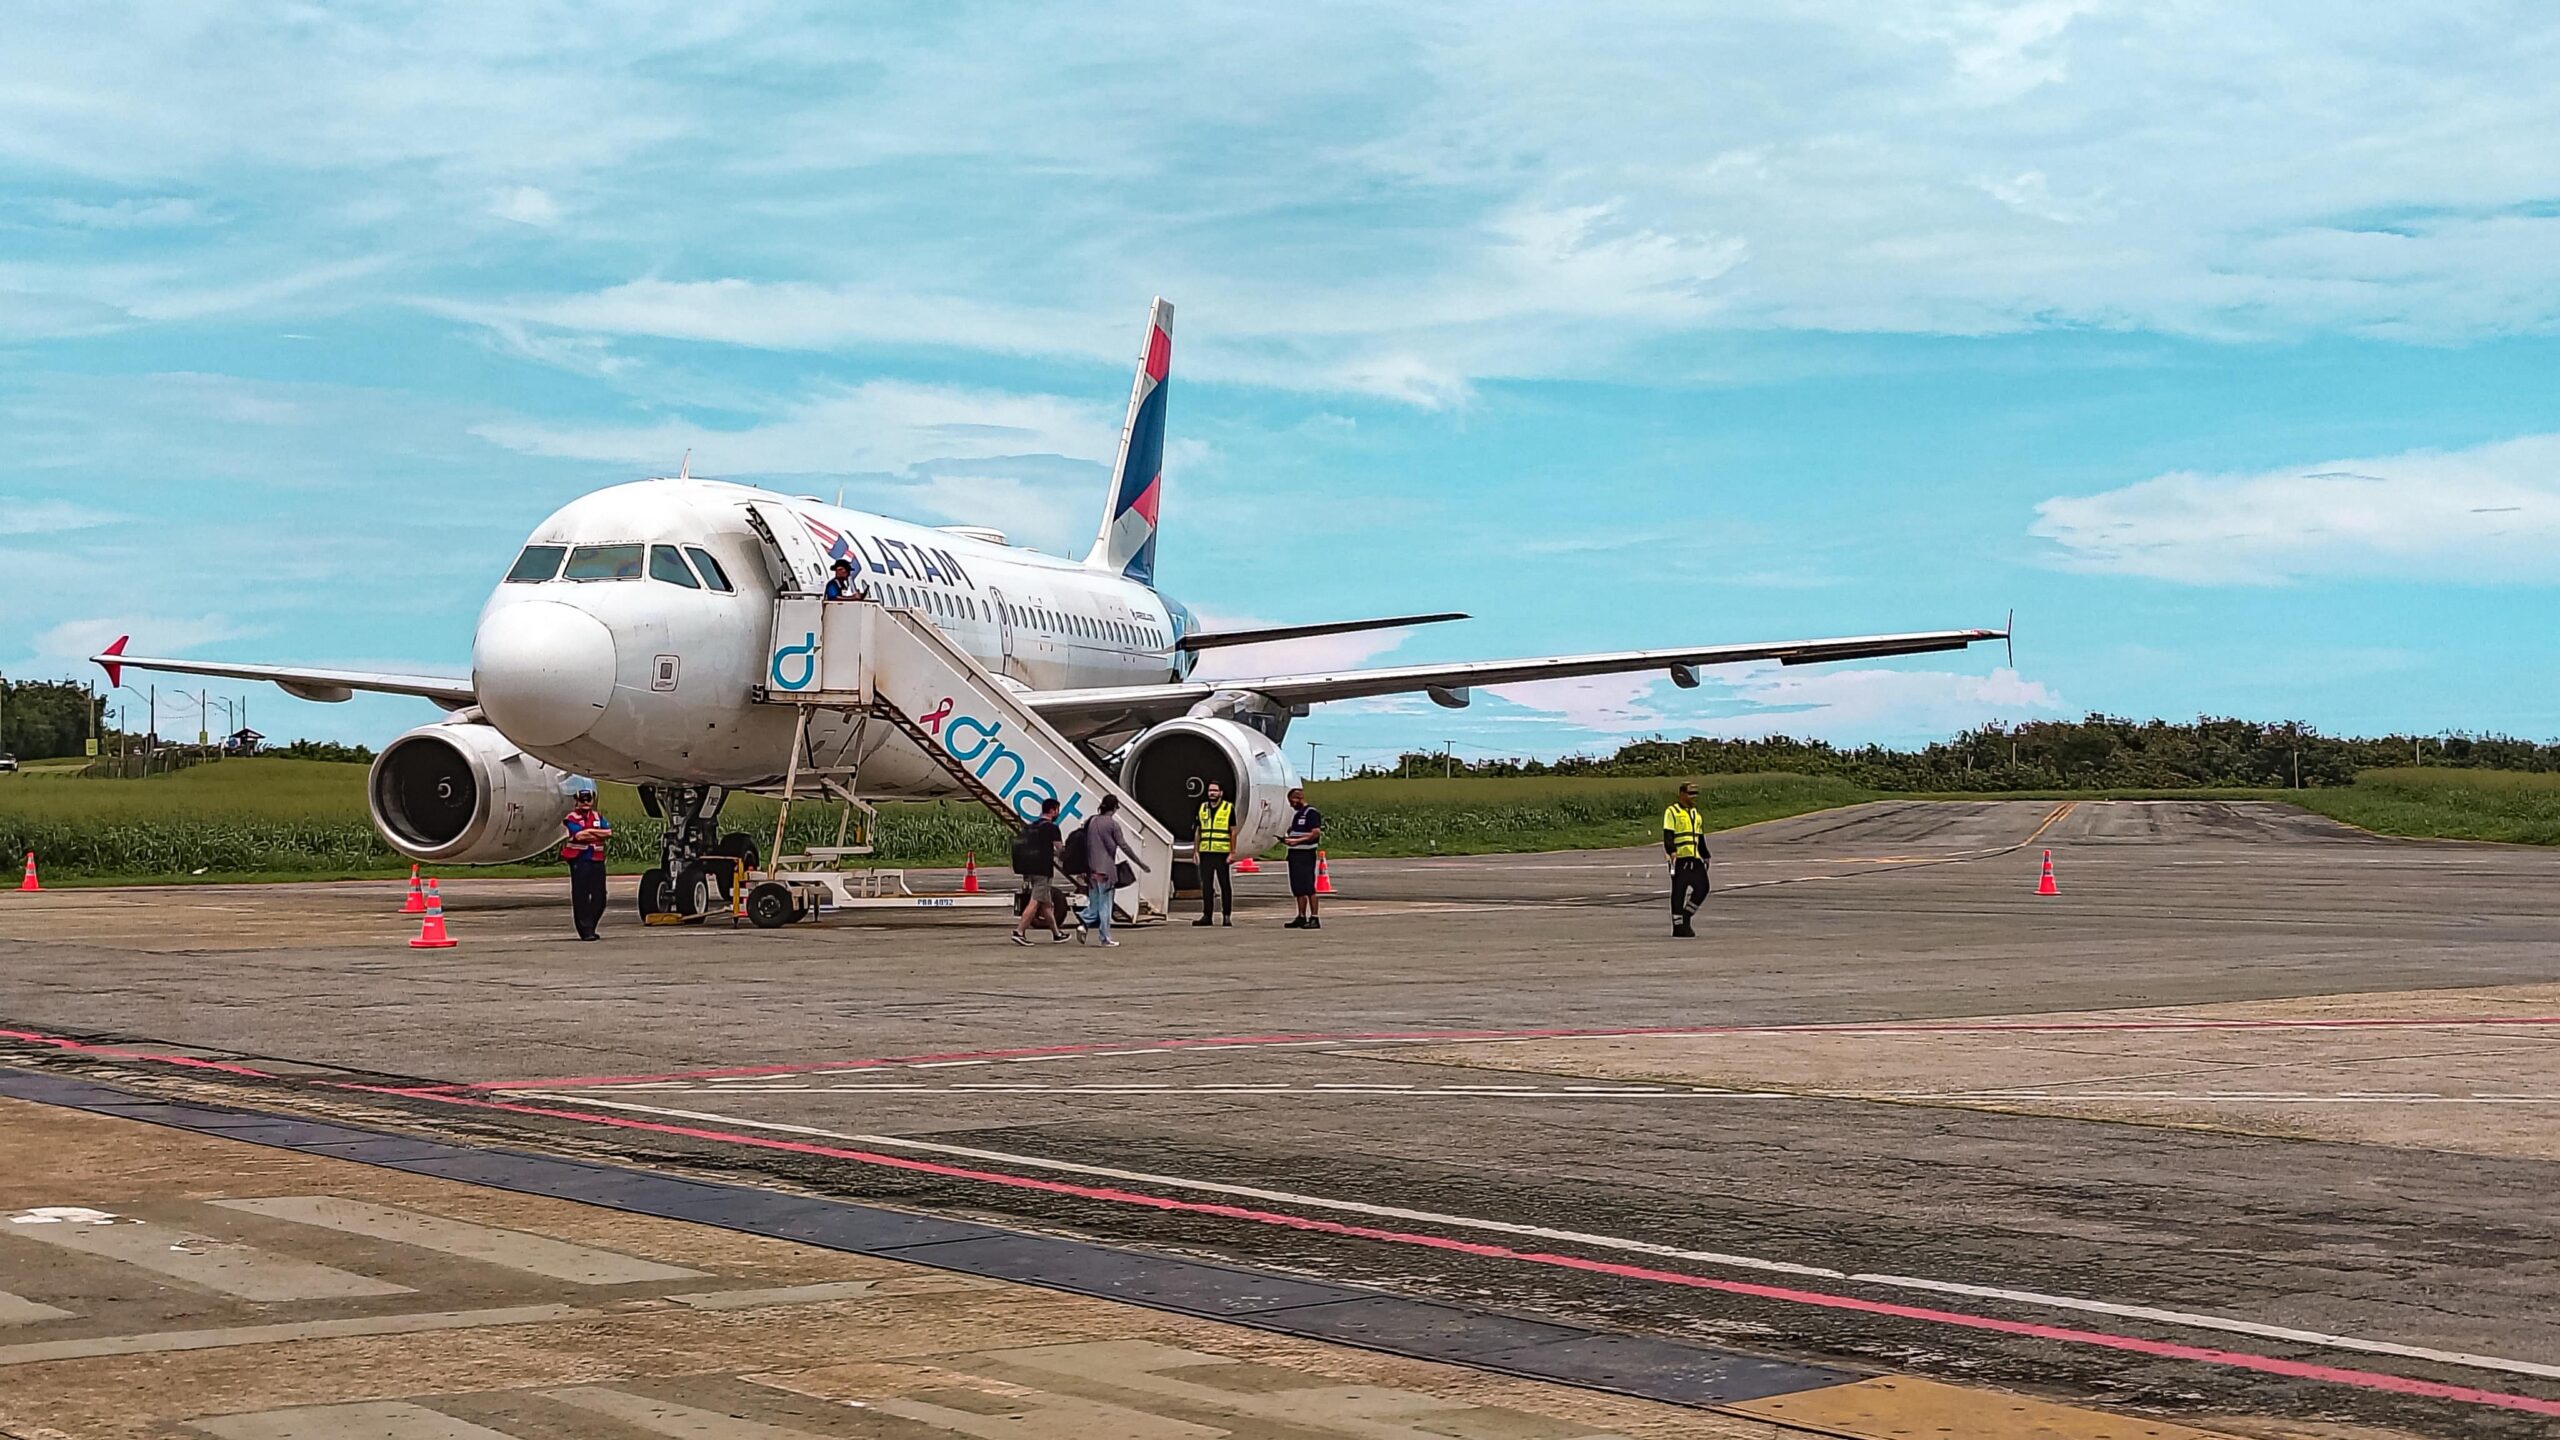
(1169, 768)
(464, 794)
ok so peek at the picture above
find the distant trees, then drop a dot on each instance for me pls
(2098, 752)
(321, 750)
(40, 719)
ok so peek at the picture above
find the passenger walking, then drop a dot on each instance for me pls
(1035, 861)
(587, 832)
(1213, 841)
(1105, 846)
(1684, 840)
(1306, 835)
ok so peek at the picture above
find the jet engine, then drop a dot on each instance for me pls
(464, 794)
(1168, 771)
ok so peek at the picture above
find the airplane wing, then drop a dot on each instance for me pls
(1448, 684)
(303, 684)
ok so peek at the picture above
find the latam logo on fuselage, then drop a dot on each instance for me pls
(890, 557)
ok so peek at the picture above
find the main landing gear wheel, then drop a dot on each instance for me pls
(741, 847)
(656, 896)
(770, 905)
(692, 890)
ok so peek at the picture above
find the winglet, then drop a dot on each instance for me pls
(106, 661)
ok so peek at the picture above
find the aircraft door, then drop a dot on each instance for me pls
(1004, 631)
(791, 552)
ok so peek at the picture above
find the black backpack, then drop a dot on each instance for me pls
(1079, 852)
(1031, 851)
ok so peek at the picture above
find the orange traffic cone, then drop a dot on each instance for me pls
(431, 934)
(1247, 865)
(1324, 877)
(2046, 886)
(30, 882)
(969, 877)
(417, 904)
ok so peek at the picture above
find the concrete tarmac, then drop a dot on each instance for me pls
(2250, 1127)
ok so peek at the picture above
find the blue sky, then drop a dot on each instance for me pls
(2222, 342)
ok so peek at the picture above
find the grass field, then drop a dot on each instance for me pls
(305, 819)
(2445, 804)
(1476, 817)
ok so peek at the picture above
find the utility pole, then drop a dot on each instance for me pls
(1311, 759)
(1448, 759)
(1342, 767)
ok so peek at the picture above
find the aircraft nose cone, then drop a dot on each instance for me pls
(544, 671)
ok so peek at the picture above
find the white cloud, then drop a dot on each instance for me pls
(49, 517)
(125, 214)
(156, 634)
(2489, 513)
(1843, 705)
(526, 205)
(883, 425)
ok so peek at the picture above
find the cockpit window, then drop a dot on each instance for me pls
(537, 564)
(604, 562)
(712, 574)
(665, 564)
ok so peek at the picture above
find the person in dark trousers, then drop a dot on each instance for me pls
(1213, 840)
(1035, 860)
(1306, 833)
(842, 586)
(1684, 840)
(587, 832)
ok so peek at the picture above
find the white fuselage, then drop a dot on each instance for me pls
(642, 677)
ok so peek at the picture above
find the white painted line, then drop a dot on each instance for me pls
(509, 1249)
(2185, 1318)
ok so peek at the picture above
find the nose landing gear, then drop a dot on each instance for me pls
(690, 878)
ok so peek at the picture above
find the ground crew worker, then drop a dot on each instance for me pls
(1213, 840)
(587, 832)
(1684, 840)
(1305, 837)
(842, 586)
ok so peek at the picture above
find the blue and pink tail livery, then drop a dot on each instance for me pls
(1126, 544)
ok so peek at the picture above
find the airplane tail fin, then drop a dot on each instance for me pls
(1126, 543)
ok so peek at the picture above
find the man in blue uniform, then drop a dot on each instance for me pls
(1306, 834)
(587, 832)
(841, 585)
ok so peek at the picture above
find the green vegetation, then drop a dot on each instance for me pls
(274, 819)
(1473, 816)
(306, 819)
(2446, 804)
(40, 719)
(2096, 753)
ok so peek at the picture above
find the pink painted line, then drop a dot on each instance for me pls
(1238, 1042)
(2160, 1349)
(106, 1052)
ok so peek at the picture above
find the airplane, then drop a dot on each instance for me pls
(629, 641)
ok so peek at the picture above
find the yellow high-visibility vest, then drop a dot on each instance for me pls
(1217, 828)
(1688, 830)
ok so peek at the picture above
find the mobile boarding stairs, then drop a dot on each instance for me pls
(883, 665)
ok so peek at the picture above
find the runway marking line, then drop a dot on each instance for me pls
(110, 1052)
(1121, 1048)
(2160, 1349)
